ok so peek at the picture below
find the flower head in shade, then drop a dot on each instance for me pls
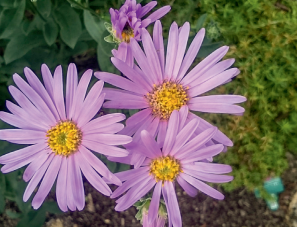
(181, 159)
(159, 85)
(61, 135)
(127, 23)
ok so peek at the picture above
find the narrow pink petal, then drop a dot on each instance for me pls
(36, 178)
(216, 108)
(142, 61)
(108, 139)
(152, 56)
(94, 179)
(116, 94)
(158, 13)
(173, 205)
(70, 187)
(132, 173)
(212, 168)
(130, 58)
(117, 81)
(182, 44)
(47, 80)
(201, 154)
(159, 45)
(79, 194)
(61, 193)
(162, 133)
(138, 117)
(191, 54)
(219, 136)
(171, 132)
(103, 121)
(230, 99)
(22, 136)
(34, 97)
(91, 104)
(99, 166)
(189, 189)
(165, 196)
(150, 144)
(145, 9)
(105, 149)
(183, 114)
(208, 177)
(204, 65)
(80, 94)
(35, 165)
(126, 104)
(134, 195)
(71, 85)
(154, 206)
(171, 50)
(213, 71)
(28, 107)
(47, 182)
(58, 92)
(196, 143)
(133, 75)
(111, 129)
(202, 187)
(121, 53)
(39, 88)
(183, 136)
(22, 153)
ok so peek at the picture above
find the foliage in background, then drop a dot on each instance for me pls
(262, 35)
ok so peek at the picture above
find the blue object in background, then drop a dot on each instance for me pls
(273, 186)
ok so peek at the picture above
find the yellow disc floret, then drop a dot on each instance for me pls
(166, 97)
(64, 138)
(127, 33)
(165, 168)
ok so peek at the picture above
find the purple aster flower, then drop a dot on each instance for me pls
(127, 23)
(179, 160)
(159, 85)
(61, 135)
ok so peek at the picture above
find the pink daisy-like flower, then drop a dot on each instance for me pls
(61, 133)
(127, 23)
(181, 160)
(159, 85)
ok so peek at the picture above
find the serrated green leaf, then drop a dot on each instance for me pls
(201, 21)
(70, 25)
(94, 26)
(50, 31)
(44, 7)
(20, 45)
(109, 39)
(10, 19)
(108, 27)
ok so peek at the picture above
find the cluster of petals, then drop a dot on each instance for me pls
(153, 68)
(131, 14)
(42, 107)
(190, 150)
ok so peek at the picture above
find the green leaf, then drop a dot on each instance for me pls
(69, 23)
(21, 44)
(10, 20)
(201, 21)
(44, 7)
(109, 39)
(112, 166)
(206, 49)
(51, 207)
(94, 26)
(50, 31)
(8, 3)
(13, 214)
(131, 112)
(108, 27)
(33, 219)
(2, 191)
(104, 58)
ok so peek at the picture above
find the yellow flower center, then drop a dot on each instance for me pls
(165, 168)
(127, 33)
(64, 138)
(166, 97)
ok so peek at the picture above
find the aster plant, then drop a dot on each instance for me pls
(181, 159)
(61, 134)
(158, 85)
(127, 23)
